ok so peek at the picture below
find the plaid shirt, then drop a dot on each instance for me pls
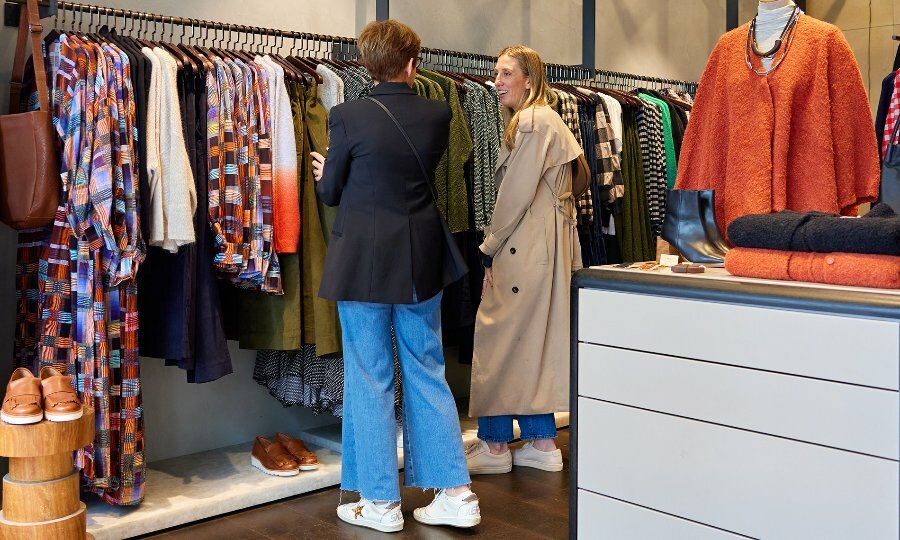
(569, 114)
(86, 293)
(893, 116)
(239, 150)
(226, 202)
(653, 156)
(126, 218)
(263, 271)
(608, 160)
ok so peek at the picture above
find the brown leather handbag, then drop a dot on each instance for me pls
(581, 176)
(29, 170)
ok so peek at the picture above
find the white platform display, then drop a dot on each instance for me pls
(190, 488)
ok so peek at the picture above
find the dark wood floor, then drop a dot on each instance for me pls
(525, 504)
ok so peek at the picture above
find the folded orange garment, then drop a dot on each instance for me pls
(851, 269)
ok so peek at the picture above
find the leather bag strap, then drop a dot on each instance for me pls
(410, 143)
(29, 23)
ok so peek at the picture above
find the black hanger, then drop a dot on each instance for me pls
(199, 58)
(187, 61)
(305, 65)
(290, 72)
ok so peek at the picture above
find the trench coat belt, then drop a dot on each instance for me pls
(565, 205)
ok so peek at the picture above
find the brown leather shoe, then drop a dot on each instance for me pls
(61, 403)
(22, 402)
(271, 457)
(307, 458)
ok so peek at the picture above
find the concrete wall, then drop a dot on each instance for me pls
(868, 26)
(671, 38)
(553, 28)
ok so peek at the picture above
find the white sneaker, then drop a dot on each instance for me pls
(365, 513)
(480, 460)
(461, 511)
(529, 456)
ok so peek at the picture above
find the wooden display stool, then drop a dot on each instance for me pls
(41, 492)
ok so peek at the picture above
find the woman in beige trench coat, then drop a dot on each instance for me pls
(520, 367)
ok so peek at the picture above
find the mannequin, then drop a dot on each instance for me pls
(771, 18)
(796, 135)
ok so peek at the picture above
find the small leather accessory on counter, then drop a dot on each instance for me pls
(688, 268)
(29, 168)
(690, 226)
(890, 174)
(305, 457)
(61, 403)
(22, 402)
(271, 457)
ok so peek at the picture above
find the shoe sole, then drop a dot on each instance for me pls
(21, 420)
(373, 525)
(308, 467)
(491, 470)
(461, 523)
(63, 417)
(256, 463)
(549, 467)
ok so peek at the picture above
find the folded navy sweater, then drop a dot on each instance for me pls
(877, 233)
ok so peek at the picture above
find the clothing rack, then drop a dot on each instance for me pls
(76, 16)
(630, 81)
(614, 79)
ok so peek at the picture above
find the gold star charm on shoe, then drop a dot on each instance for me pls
(357, 512)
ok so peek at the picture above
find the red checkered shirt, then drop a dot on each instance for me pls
(892, 116)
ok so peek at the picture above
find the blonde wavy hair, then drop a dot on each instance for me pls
(539, 94)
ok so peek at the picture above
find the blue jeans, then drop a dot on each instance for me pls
(499, 429)
(432, 441)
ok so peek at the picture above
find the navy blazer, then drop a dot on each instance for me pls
(387, 235)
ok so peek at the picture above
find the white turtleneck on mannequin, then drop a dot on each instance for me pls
(771, 18)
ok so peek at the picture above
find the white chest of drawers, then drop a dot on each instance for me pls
(724, 408)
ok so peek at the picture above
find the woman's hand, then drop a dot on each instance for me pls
(318, 165)
(488, 281)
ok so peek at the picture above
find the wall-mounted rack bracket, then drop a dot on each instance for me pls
(12, 9)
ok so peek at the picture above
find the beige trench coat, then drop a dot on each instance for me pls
(521, 359)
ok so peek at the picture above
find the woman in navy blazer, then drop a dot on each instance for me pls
(384, 267)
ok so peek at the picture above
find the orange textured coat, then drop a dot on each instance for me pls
(800, 138)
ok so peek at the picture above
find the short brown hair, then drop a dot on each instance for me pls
(385, 47)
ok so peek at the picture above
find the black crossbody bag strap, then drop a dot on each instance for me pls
(454, 263)
(410, 143)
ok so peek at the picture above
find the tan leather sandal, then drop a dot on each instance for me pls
(306, 457)
(22, 402)
(271, 457)
(61, 403)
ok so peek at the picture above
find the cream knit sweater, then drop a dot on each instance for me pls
(331, 92)
(173, 196)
